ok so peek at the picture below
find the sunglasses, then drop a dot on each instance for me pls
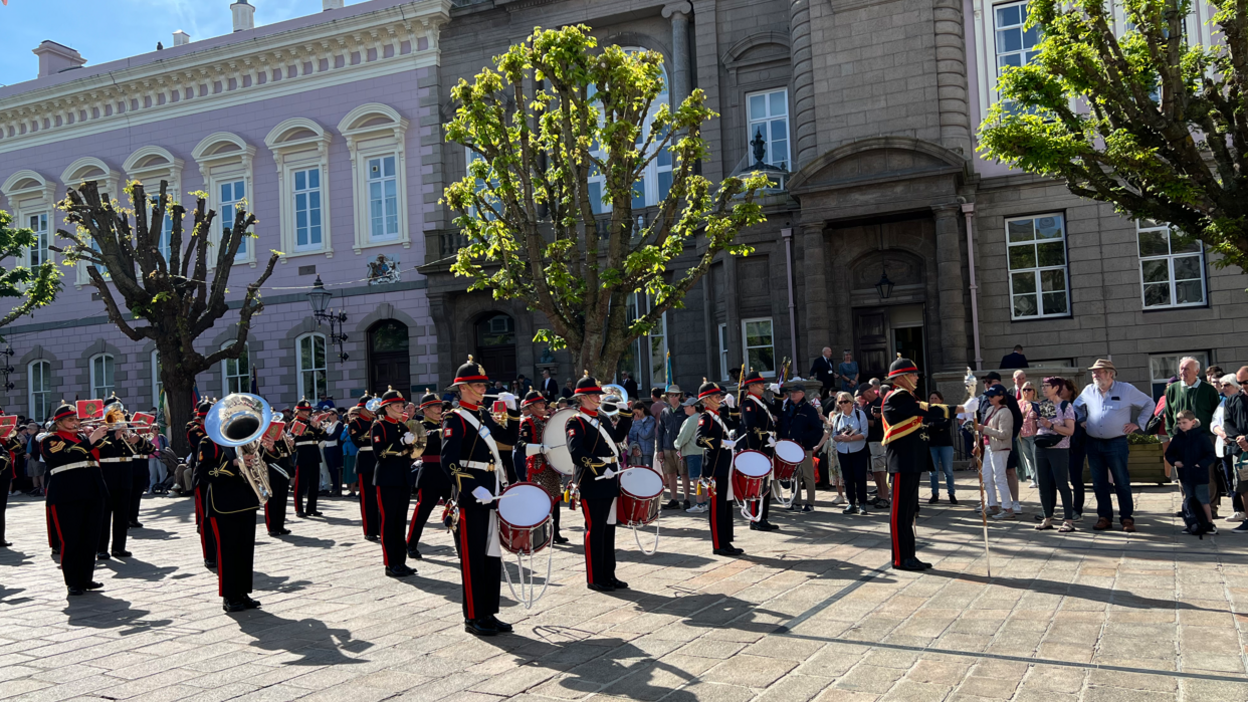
(845, 402)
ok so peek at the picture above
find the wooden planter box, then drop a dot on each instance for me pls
(1145, 463)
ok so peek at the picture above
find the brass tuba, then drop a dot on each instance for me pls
(239, 420)
(614, 399)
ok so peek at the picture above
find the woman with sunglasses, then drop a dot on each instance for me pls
(848, 425)
(1056, 425)
(940, 443)
(1027, 402)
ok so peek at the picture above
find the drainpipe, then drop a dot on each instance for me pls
(787, 233)
(968, 211)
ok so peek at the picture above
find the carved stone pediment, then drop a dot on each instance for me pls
(881, 159)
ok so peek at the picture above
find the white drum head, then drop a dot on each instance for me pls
(641, 482)
(790, 451)
(752, 463)
(555, 439)
(524, 505)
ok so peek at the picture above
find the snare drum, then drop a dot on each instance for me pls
(641, 490)
(789, 455)
(750, 469)
(524, 524)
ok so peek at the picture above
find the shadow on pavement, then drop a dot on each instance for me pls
(310, 639)
(133, 568)
(99, 611)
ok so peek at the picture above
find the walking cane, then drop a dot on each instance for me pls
(971, 384)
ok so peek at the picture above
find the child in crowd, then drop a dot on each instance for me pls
(1191, 453)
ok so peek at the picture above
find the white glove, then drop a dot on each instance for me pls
(970, 405)
(774, 387)
(730, 401)
(771, 441)
(509, 398)
(607, 474)
(729, 443)
(483, 496)
(409, 438)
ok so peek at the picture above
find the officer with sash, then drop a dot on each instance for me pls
(594, 444)
(714, 428)
(431, 483)
(906, 453)
(759, 427)
(471, 460)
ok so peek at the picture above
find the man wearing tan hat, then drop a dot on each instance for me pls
(669, 421)
(1114, 409)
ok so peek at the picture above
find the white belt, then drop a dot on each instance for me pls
(306, 443)
(363, 448)
(608, 459)
(479, 465)
(71, 466)
(116, 460)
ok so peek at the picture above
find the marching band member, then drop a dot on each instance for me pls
(361, 431)
(432, 483)
(139, 480)
(906, 453)
(278, 453)
(594, 444)
(758, 422)
(714, 427)
(195, 434)
(471, 459)
(392, 480)
(307, 461)
(75, 495)
(11, 454)
(231, 505)
(528, 453)
(116, 453)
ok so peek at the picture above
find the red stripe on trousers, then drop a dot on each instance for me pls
(363, 508)
(220, 561)
(714, 521)
(589, 559)
(893, 521)
(203, 530)
(47, 516)
(295, 494)
(420, 494)
(59, 534)
(267, 525)
(465, 567)
(381, 510)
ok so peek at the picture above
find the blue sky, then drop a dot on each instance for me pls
(106, 30)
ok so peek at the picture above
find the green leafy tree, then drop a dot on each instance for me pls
(179, 297)
(556, 113)
(1144, 119)
(36, 286)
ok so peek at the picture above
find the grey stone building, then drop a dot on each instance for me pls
(871, 107)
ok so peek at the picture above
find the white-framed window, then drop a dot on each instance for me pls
(31, 201)
(1172, 270)
(1039, 284)
(1014, 44)
(375, 135)
(102, 367)
(150, 165)
(758, 341)
(768, 114)
(166, 232)
(656, 180)
(649, 352)
(310, 357)
(37, 255)
(1162, 367)
(157, 384)
(383, 199)
(723, 351)
(236, 372)
(39, 383)
(300, 149)
(471, 157)
(225, 161)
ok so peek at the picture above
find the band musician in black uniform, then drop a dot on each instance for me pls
(278, 453)
(194, 435)
(116, 453)
(12, 452)
(471, 459)
(432, 484)
(529, 454)
(231, 506)
(714, 427)
(906, 453)
(594, 444)
(307, 461)
(76, 494)
(759, 427)
(392, 479)
(361, 431)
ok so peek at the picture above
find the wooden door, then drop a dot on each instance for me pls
(871, 343)
(389, 365)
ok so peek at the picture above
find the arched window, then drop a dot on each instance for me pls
(300, 147)
(39, 382)
(225, 162)
(157, 385)
(374, 134)
(102, 376)
(150, 165)
(32, 201)
(236, 372)
(310, 357)
(656, 180)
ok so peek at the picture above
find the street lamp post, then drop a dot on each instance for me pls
(320, 298)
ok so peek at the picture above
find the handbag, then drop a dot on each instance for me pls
(1155, 424)
(1241, 474)
(1048, 440)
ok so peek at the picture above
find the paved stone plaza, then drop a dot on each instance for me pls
(811, 613)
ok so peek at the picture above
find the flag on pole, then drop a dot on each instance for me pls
(163, 407)
(195, 395)
(669, 378)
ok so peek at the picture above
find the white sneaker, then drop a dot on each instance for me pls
(1237, 517)
(837, 500)
(697, 509)
(1018, 507)
(1033, 483)
(1004, 516)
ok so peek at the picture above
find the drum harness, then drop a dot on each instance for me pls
(614, 459)
(745, 504)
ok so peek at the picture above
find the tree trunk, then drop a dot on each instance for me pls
(178, 387)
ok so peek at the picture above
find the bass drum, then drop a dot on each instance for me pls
(555, 441)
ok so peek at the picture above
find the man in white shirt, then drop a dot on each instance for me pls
(1229, 387)
(1114, 409)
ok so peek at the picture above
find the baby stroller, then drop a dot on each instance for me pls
(171, 463)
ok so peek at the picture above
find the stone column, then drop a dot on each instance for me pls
(951, 83)
(952, 303)
(814, 268)
(678, 13)
(807, 146)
